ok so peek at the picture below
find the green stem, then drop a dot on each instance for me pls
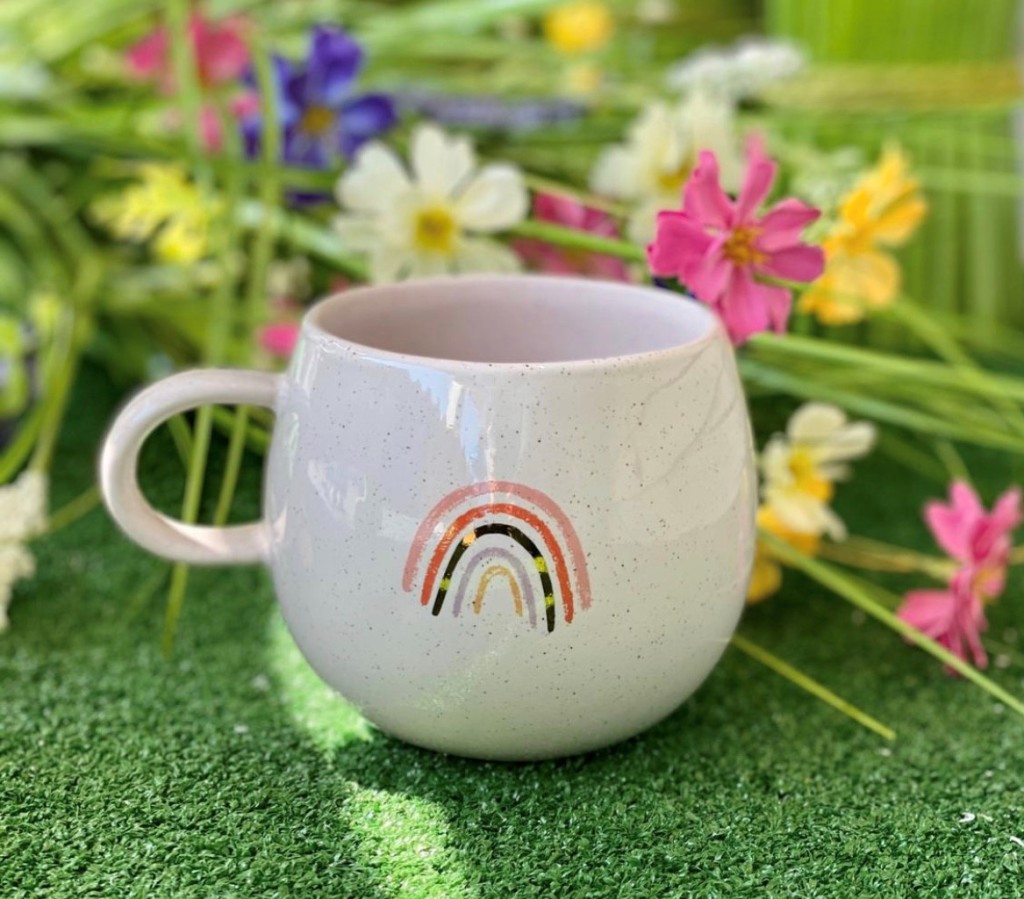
(873, 555)
(77, 508)
(59, 390)
(263, 247)
(898, 415)
(579, 240)
(257, 439)
(20, 448)
(938, 338)
(812, 686)
(847, 588)
(186, 78)
(236, 452)
(924, 372)
(181, 436)
(189, 513)
(541, 185)
(302, 234)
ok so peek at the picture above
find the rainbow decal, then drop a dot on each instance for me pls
(513, 524)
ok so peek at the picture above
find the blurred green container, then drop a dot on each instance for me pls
(939, 76)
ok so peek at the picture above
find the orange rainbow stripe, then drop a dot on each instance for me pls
(460, 524)
(539, 499)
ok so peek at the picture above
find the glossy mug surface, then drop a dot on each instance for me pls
(507, 517)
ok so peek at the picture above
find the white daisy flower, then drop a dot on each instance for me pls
(649, 169)
(22, 516)
(428, 221)
(741, 70)
(800, 468)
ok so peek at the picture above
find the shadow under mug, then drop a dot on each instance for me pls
(509, 517)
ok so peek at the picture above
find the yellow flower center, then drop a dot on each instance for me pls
(317, 121)
(672, 182)
(739, 247)
(435, 230)
(805, 473)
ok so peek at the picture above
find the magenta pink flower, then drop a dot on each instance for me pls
(719, 248)
(560, 261)
(279, 339)
(220, 51)
(980, 542)
(221, 56)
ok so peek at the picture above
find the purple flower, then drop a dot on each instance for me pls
(320, 117)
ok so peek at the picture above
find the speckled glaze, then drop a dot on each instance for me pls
(645, 457)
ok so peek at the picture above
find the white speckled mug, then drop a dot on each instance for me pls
(507, 517)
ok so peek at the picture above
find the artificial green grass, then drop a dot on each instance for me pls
(230, 771)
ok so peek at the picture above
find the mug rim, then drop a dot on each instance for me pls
(711, 328)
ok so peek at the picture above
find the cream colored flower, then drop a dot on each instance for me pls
(428, 221)
(22, 516)
(800, 468)
(742, 70)
(649, 169)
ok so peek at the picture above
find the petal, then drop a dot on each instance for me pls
(368, 115)
(481, 254)
(280, 339)
(798, 263)
(210, 130)
(220, 48)
(388, 264)
(357, 233)
(851, 442)
(703, 198)
(616, 174)
(1006, 513)
(780, 304)
(496, 199)
(757, 182)
(896, 225)
(362, 119)
(953, 525)
(743, 307)
(991, 537)
(149, 57)
(440, 163)
(815, 423)
(431, 265)
(373, 181)
(782, 225)
(641, 226)
(710, 279)
(679, 245)
(930, 611)
(335, 59)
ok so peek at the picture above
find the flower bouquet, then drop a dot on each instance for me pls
(173, 191)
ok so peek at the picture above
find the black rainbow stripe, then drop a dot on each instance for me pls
(525, 542)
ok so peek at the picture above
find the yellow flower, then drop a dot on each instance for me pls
(580, 27)
(766, 578)
(799, 471)
(882, 210)
(162, 206)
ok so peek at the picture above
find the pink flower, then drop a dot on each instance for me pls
(221, 55)
(718, 247)
(980, 542)
(560, 261)
(220, 51)
(279, 339)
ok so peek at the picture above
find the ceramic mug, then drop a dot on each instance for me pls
(509, 517)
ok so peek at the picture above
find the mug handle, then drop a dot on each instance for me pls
(175, 540)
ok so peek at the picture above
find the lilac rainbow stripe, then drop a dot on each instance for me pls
(517, 566)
